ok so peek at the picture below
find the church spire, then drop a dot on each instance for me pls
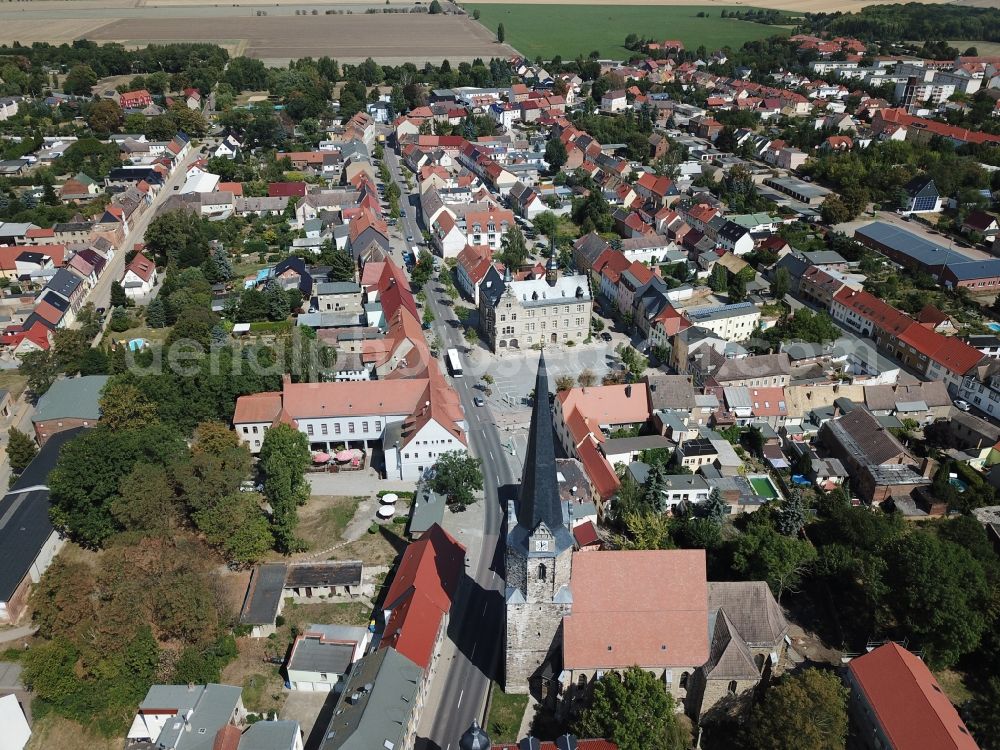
(539, 501)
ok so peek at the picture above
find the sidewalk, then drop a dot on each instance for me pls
(365, 482)
(17, 634)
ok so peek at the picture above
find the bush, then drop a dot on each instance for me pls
(279, 621)
(399, 520)
(373, 529)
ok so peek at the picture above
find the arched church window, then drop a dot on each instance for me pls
(541, 572)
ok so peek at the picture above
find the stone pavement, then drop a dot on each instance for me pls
(365, 482)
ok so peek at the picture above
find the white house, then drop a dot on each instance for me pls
(140, 277)
(614, 101)
(228, 148)
(323, 654)
(446, 236)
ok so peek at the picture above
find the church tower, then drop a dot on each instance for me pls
(538, 556)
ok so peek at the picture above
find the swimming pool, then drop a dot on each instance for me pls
(764, 487)
(995, 327)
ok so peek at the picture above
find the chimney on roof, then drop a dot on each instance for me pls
(628, 391)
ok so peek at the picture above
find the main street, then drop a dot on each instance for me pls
(462, 682)
(100, 295)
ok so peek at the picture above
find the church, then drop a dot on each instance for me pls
(574, 615)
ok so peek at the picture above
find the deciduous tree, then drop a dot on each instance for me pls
(457, 476)
(805, 711)
(284, 456)
(634, 712)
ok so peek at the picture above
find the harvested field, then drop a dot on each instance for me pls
(552, 29)
(793, 6)
(391, 38)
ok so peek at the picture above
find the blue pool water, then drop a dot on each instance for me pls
(136, 344)
(993, 326)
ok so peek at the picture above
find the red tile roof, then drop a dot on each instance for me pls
(645, 608)
(142, 267)
(422, 593)
(907, 700)
(952, 353)
(257, 407)
(586, 534)
(286, 190)
(476, 260)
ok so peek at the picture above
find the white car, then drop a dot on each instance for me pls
(962, 405)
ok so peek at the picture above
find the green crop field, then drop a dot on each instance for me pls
(571, 30)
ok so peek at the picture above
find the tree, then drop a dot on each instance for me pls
(236, 525)
(434, 8)
(276, 301)
(501, 33)
(20, 450)
(105, 117)
(82, 499)
(471, 336)
(118, 296)
(805, 710)
(555, 154)
(476, 14)
(146, 501)
(124, 407)
(513, 249)
(80, 80)
(342, 267)
(39, 368)
(654, 491)
(218, 267)
(634, 712)
(761, 553)
(156, 314)
(791, 517)
(564, 383)
(938, 593)
(718, 281)
(457, 476)
(781, 284)
(737, 289)
(716, 508)
(586, 378)
(283, 459)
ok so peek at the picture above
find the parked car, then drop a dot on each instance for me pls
(478, 401)
(962, 405)
(606, 336)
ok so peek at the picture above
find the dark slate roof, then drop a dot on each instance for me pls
(921, 187)
(264, 594)
(24, 515)
(345, 573)
(538, 501)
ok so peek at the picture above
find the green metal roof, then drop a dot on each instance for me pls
(72, 398)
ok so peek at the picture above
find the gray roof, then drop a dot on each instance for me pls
(326, 648)
(210, 706)
(269, 735)
(376, 705)
(613, 446)
(428, 509)
(338, 287)
(751, 608)
(264, 594)
(763, 365)
(825, 257)
(71, 398)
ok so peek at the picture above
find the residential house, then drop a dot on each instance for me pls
(895, 703)
(475, 268)
(187, 717)
(614, 101)
(68, 404)
(922, 196)
(733, 322)
(981, 223)
(140, 277)
(323, 654)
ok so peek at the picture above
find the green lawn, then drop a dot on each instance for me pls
(506, 712)
(571, 30)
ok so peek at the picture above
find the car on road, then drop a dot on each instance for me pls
(606, 336)
(409, 238)
(479, 401)
(962, 405)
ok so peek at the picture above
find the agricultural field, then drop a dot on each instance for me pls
(390, 38)
(550, 30)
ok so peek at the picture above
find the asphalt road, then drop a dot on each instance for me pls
(100, 295)
(477, 616)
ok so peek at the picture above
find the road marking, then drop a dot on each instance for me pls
(460, 701)
(498, 479)
(485, 607)
(474, 645)
(491, 455)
